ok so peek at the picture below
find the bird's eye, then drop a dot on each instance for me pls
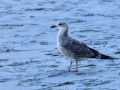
(60, 24)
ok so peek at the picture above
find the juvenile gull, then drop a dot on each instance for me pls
(72, 48)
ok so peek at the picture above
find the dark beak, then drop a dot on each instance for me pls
(53, 26)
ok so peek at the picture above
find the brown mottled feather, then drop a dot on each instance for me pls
(79, 49)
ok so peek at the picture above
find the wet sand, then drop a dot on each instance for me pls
(29, 58)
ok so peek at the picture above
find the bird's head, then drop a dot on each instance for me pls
(61, 26)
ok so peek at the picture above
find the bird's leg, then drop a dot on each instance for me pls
(76, 66)
(70, 65)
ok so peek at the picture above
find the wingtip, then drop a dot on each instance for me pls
(106, 57)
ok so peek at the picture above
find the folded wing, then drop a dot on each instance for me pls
(80, 49)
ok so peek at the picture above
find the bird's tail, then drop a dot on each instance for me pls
(99, 55)
(106, 57)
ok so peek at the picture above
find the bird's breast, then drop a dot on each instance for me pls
(62, 49)
(59, 45)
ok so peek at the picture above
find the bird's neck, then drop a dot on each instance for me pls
(63, 33)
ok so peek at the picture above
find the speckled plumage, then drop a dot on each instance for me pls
(73, 48)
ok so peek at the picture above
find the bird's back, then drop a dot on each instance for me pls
(75, 49)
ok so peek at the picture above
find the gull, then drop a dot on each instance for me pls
(73, 48)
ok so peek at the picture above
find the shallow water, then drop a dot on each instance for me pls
(29, 58)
